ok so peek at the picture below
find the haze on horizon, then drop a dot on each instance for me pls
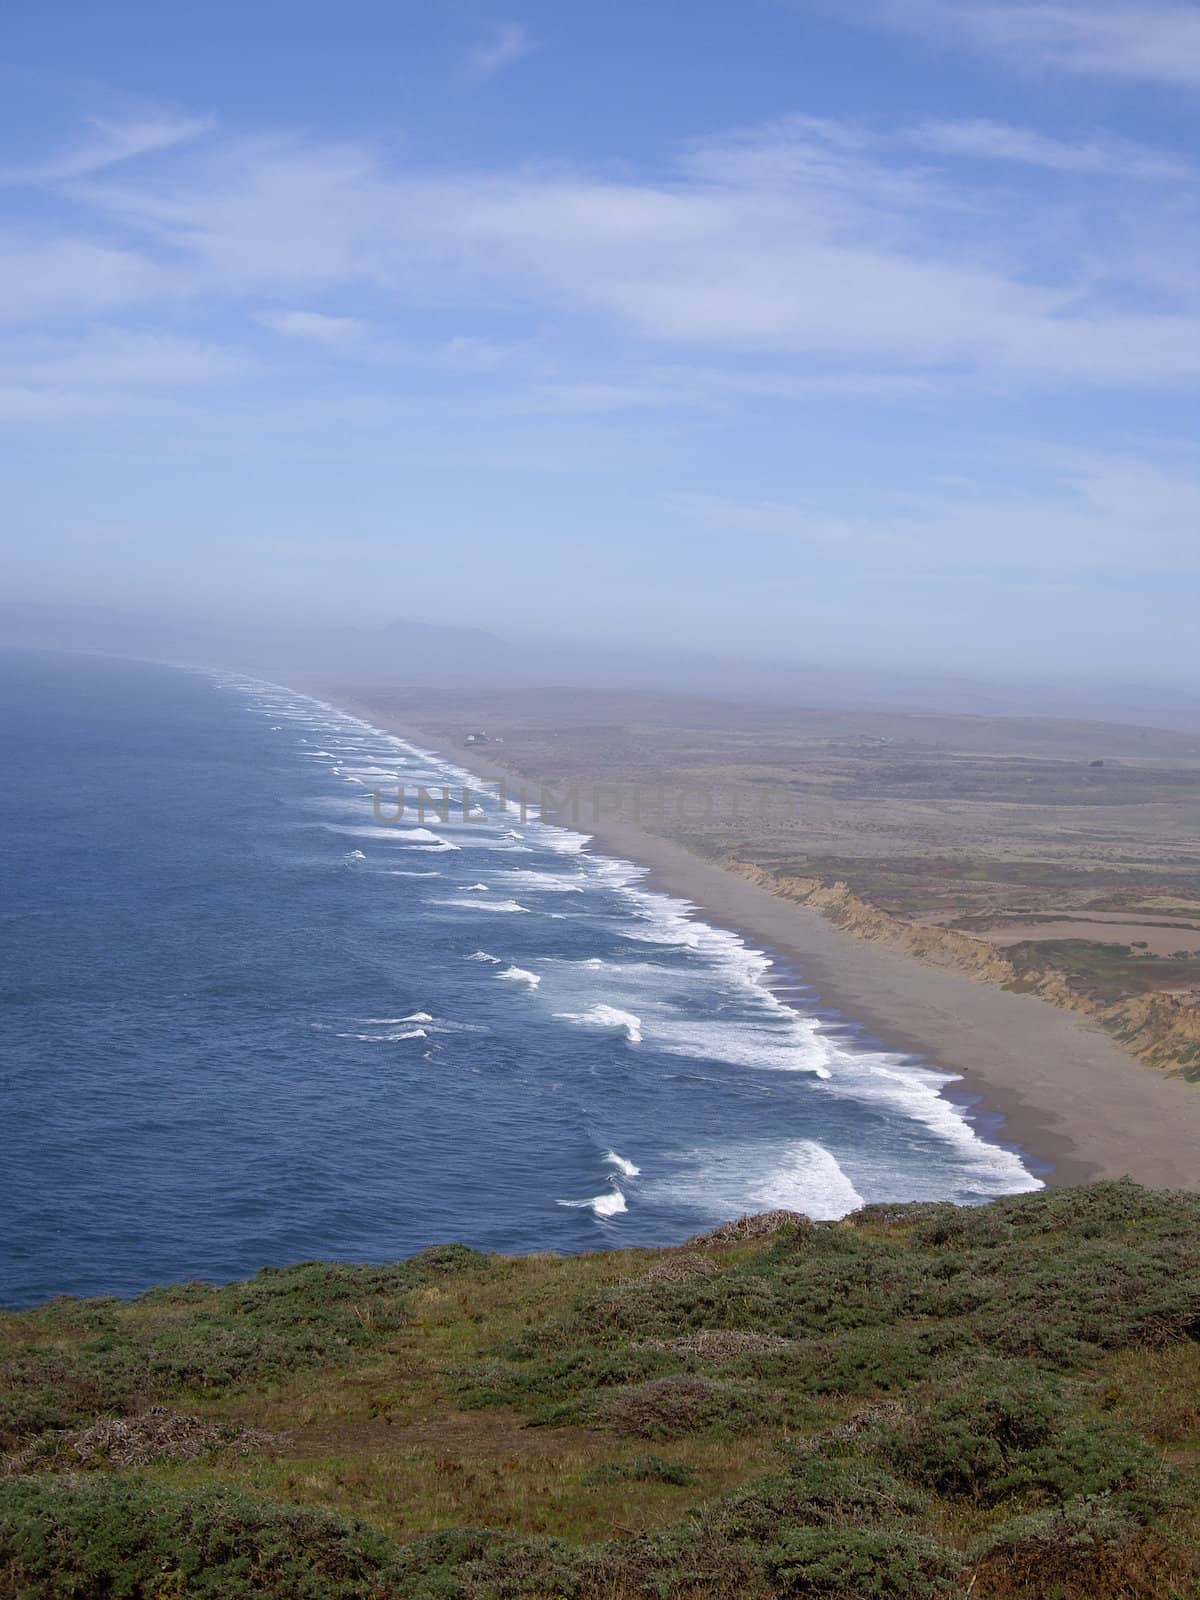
(865, 335)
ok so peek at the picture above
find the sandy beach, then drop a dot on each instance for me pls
(1069, 1096)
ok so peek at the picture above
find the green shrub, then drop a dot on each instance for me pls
(970, 1442)
(103, 1536)
(1006, 1432)
(575, 1372)
(670, 1408)
(1089, 1459)
(198, 1339)
(645, 1469)
(1097, 1295)
(818, 1492)
(872, 1361)
(447, 1258)
(731, 1299)
(843, 1562)
(1079, 1526)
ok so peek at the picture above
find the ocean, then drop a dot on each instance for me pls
(244, 1022)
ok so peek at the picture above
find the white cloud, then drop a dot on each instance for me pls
(259, 212)
(1154, 41)
(19, 403)
(103, 371)
(1002, 141)
(505, 45)
(64, 275)
(116, 357)
(109, 144)
(1123, 515)
(819, 242)
(315, 326)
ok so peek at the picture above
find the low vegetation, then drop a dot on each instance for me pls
(919, 1401)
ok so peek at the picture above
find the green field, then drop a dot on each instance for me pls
(919, 1401)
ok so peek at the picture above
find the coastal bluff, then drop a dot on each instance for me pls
(1158, 1028)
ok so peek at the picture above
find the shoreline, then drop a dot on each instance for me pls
(1042, 1081)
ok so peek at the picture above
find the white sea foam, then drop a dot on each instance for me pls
(414, 838)
(353, 857)
(623, 1166)
(546, 882)
(400, 872)
(520, 975)
(481, 905)
(751, 1027)
(563, 841)
(915, 1093)
(609, 1204)
(733, 1180)
(482, 955)
(414, 1019)
(386, 1038)
(807, 1179)
(608, 1019)
(383, 1022)
(477, 888)
(776, 1044)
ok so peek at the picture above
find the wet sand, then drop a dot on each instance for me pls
(1069, 1095)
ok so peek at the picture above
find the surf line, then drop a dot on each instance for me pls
(603, 800)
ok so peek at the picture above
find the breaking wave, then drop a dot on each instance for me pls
(609, 1019)
(520, 975)
(611, 1203)
(623, 1166)
(481, 905)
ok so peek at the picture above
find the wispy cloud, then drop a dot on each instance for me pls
(982, 140)
(1123, 515)
(66, 275)
(1154, 41)
(117, 357)
(505, 45)
(108, 145)
(315, 326)
(823, 240)
(103, 370)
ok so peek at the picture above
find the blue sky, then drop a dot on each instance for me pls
(863, 332)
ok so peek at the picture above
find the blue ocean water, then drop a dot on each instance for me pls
(243, 1022)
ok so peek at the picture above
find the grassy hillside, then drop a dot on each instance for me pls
(918, 1401)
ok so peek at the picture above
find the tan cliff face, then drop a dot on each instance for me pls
(1158, 1028)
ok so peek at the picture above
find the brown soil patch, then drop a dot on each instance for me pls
(1159, 941)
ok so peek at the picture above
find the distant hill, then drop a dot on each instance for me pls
(409, 652)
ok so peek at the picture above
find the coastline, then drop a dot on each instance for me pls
(1043, 1081)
